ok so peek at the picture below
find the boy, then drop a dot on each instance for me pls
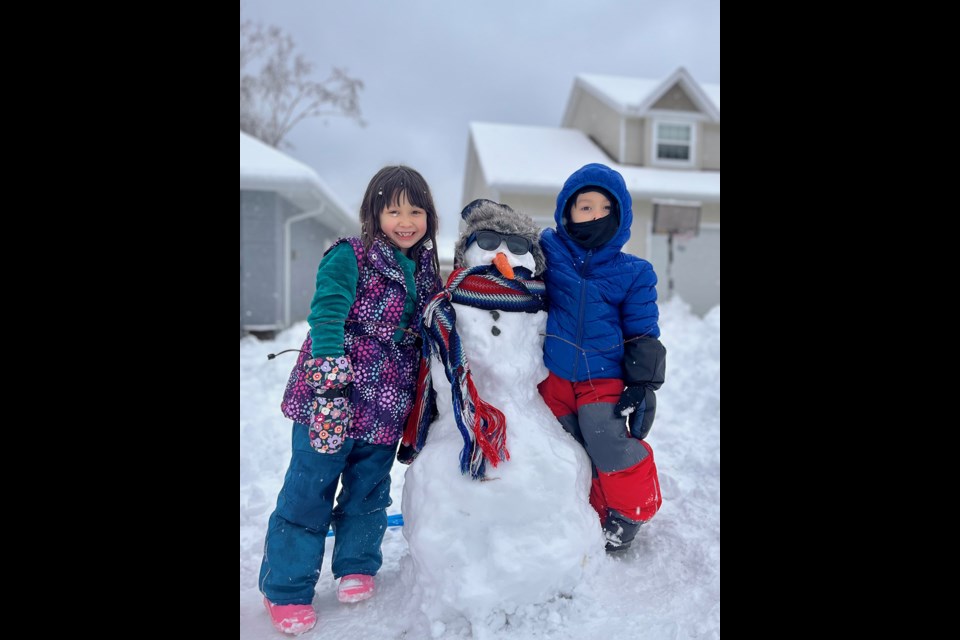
(602, 347)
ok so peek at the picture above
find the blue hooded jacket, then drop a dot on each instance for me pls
(598, 297)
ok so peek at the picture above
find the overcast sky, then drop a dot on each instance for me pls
(430, 67)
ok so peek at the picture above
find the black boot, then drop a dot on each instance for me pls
(619, 531)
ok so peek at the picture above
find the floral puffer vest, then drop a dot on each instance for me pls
(385, 371)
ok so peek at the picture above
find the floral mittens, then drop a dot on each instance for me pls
(330, 380)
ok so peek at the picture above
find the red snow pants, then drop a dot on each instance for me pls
(625, 475)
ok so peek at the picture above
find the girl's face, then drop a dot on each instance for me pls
(591, 205)
(403, 224)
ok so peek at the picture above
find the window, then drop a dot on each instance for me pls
(673, 143)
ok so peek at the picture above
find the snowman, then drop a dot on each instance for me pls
(496, 517)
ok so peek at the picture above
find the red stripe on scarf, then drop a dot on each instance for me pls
(479, 284)
(416, 414)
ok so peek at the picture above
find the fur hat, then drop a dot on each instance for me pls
(487, 214)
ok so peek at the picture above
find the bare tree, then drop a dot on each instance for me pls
(276, 91)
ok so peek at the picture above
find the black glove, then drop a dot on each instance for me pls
(406, 454)
(644, 368)
(639, 404)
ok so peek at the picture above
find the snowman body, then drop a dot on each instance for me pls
(524, 534)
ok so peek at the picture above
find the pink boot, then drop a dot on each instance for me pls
(291, 618)
(355, 587)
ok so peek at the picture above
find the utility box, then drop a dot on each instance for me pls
(676, 217)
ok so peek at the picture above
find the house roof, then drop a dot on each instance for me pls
(537, 160)
(634, 96)
(263, 168)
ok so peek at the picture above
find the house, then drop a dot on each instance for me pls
(288, 218)
(662, 135)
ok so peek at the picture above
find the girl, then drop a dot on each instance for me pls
(348, 396)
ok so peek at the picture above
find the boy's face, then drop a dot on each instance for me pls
(590, 205)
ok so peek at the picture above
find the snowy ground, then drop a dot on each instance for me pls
(666, 586)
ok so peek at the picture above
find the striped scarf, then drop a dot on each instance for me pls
(483, 426)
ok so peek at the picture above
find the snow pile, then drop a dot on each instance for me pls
(666, 586)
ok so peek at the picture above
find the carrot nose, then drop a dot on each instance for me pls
(503, 266)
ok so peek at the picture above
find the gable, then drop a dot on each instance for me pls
(635, 97)
(675, 99)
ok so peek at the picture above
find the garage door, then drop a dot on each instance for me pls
(696, 268)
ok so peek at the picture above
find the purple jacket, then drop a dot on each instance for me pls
(385, 371)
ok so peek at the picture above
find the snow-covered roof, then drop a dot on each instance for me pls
(635, 96)
(263, 168)
(624, 93)
(537, 160)
(713, 92)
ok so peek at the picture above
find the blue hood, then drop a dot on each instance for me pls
(596, 175)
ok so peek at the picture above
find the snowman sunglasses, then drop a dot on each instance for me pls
(489, 240)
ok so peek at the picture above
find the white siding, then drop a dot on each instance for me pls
(598, 121)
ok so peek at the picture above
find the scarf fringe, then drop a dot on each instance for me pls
(489, 427)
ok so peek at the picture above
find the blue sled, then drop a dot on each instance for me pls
(395, 520)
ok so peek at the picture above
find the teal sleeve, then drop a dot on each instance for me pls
(410, 302)
(337, 278)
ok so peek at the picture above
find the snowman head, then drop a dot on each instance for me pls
(492, 228)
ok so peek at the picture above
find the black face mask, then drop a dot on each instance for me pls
(594, 233)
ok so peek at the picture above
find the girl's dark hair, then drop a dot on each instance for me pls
(385, 189)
